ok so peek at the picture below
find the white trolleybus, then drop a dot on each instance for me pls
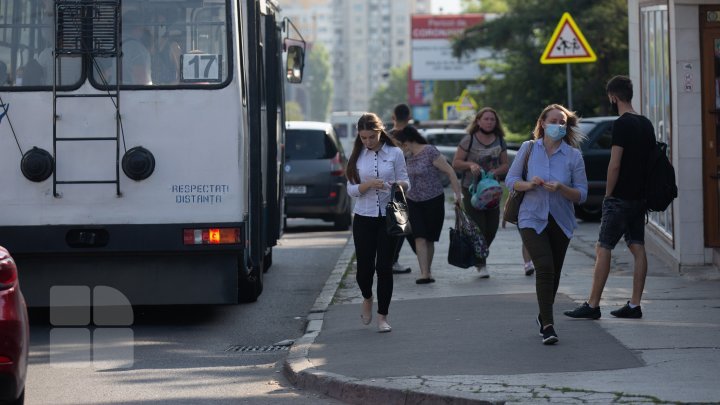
(140, 145)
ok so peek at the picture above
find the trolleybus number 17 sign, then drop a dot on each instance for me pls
(201, 68)
(567, 44)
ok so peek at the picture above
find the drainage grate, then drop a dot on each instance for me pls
(257, 349)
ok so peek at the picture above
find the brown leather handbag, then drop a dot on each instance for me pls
(512, 204)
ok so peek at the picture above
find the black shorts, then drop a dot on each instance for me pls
(622, 217)
(426, 217)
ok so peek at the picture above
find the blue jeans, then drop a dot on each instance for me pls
(622, 218)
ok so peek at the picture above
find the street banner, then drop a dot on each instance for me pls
(431, 44)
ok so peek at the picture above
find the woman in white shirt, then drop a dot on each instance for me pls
(374, 165)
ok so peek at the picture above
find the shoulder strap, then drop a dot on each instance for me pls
(527, 158)
(472, 138)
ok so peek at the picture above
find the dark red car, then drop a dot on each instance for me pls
(14, 333)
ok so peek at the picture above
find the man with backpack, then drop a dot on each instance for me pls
(624, 206)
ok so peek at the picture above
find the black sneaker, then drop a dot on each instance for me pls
(549, 336)
(584, 311)
(627, 312)
(538, 321)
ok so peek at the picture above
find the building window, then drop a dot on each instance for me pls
(655, 68)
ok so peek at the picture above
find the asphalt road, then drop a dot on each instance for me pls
(198, 354)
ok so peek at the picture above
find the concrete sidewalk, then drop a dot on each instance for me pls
(469, 340)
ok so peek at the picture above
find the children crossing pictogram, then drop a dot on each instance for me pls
(567, 44)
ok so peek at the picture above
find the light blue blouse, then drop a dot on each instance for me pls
(566, 166)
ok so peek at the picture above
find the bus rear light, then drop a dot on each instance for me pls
(8, 273)
(211, 236)
(4, 361)
(336, 167)
(333, 194)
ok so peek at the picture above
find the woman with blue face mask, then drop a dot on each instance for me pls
(555, 180)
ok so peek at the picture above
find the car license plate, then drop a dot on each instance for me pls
(295, 189)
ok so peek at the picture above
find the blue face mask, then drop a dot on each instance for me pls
(555, 132)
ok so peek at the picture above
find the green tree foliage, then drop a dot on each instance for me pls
(484, 6)
(293, 111)
(446, 90)
(521, 87)
(388, 95)
(318, 83)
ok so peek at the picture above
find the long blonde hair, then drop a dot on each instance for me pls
(367, 122)
(573, 136)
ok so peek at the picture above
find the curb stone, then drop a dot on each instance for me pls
(303, 374)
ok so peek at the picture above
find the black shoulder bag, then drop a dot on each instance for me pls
(397, 217)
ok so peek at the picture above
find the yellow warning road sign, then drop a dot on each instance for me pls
(462, 108)
(567, 44)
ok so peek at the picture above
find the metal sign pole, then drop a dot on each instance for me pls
(569, 86)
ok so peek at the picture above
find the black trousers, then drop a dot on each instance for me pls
(374, 251)
(547, 251)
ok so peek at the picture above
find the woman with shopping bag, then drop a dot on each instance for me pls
(426, 200)
(482, 150)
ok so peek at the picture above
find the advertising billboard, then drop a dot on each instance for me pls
(432, 57)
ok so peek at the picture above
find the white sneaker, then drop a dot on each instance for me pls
(399, 268)
(483, 272)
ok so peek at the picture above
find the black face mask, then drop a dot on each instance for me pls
(614, 108)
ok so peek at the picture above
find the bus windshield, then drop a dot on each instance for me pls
(165, 43)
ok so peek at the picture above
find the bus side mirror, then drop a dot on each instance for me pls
(295, 63)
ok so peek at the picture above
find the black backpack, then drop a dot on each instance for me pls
(660, 186)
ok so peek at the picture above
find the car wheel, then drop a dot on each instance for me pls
(589, 214)
(344, 220)
(20, 400)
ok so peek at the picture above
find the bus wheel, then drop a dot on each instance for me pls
(250, 286)
(268, 261)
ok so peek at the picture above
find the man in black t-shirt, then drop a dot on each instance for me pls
(623, 210)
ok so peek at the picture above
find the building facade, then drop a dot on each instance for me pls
(313, 18)
(675, 66)
(371, 38)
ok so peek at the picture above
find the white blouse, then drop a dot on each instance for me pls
(387, 164)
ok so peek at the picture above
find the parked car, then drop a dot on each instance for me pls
(596, 154)
(14, 333)
(315, 182)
